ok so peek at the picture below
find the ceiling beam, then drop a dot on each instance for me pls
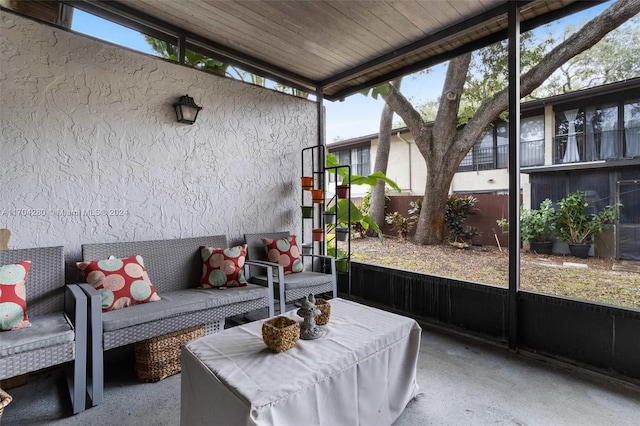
(415, 46)
(438, 59)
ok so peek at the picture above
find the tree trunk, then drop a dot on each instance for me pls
(377, 203)
(437, 145)
(431, 228)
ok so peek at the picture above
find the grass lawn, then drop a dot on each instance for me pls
(598, 282)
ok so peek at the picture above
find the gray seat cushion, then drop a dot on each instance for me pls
(45, 331)
(179, 302)
(297, 280)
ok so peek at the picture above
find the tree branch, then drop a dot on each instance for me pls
(581, 40)
(411, 117)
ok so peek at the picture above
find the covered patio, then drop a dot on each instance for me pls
(93, 152)
(464, 382)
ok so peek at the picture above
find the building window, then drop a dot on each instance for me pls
(601, 139)
(502, 146)
(632, 128)
(532, 141)
(595, 132)
(569, 139)
(491, 151)
(357, 158)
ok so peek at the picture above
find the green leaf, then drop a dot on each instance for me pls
(344, 206)
(375, 227)
(374, 92)
(372, 180)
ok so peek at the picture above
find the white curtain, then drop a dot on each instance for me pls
(571, 154)
(632, 129)
(608, 146)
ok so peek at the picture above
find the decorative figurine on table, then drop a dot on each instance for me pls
(309, 330)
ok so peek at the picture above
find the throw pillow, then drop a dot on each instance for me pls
(13, 296)
(120, 282)
(223, 267)
(285, 252)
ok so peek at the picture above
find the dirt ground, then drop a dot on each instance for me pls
(591, 279)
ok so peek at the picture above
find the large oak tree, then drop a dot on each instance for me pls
(444, 144)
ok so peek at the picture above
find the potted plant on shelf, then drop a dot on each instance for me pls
(342, 191)
(341, 256)
(307, 211)
(342, 233)
(344, 206)
(307, 183)
(348, 215)
(575, 226)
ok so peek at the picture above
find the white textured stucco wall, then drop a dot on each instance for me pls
(91, 150)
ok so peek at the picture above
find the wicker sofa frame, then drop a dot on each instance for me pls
(175, 269)
(58, 316)
(298, 285)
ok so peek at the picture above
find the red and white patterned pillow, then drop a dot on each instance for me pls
(13, 296)
(120, 282)
(285, 252)
(223, 267)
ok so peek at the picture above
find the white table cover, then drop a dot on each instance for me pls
(362, 372)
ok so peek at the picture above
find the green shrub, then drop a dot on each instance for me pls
(458, 208)
(575, 226)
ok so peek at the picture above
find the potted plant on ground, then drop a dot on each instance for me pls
(575, 226)
(537, 226)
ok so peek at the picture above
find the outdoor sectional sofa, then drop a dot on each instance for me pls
(58, 317)
(175, 269)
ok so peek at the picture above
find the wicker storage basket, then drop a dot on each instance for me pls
(280, 333)
(325, 308)
(159, 357)
(5, 399)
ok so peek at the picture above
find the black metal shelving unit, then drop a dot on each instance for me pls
(315, 157)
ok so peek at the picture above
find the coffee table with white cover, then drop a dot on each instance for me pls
(362, 372)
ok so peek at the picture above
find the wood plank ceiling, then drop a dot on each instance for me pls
(338, 46)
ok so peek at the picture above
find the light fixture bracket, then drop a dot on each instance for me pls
(186, 110)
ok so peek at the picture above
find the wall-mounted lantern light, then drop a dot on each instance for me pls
(186, 110)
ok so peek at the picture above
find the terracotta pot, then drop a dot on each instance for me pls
(318, 234)
(342, 191)
(307, 183)
(317, 196)
(307, 211)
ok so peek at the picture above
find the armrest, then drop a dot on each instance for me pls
(75, 307)
(321, 256)
(269, 267)
(95, 386)
(94, 303)
(261, 263)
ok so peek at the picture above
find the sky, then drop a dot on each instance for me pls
(357, 115)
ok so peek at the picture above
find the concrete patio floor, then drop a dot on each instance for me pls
(464, 382)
